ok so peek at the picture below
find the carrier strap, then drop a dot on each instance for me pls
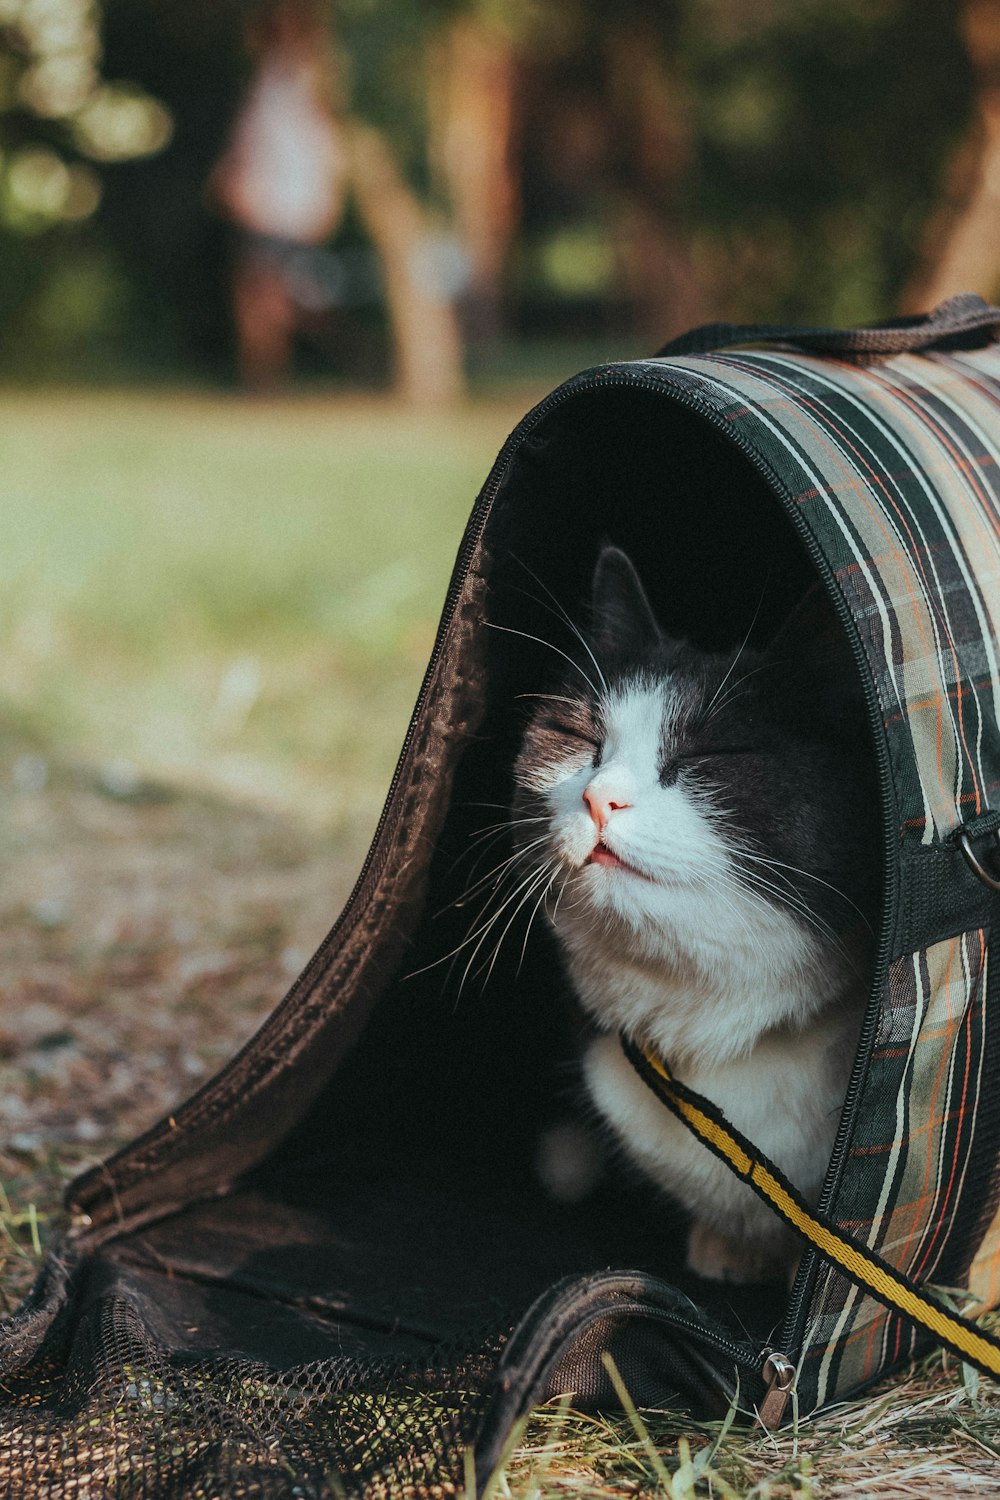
(863, 1266)
(963, 322)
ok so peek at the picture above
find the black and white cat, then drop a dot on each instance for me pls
(708, 823)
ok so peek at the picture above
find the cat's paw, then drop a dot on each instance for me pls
(717, 1258)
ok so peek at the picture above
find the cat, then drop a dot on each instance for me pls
(707, 821)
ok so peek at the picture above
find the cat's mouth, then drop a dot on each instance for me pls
(606, 857)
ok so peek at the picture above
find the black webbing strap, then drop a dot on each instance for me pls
(963, 322)
(861, 1265)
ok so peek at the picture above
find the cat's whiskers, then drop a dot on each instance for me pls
(732, 665)
(562, 891)
(489, 836)
(777, 864)
(719, 704)
(472, 881)
(528, 886)
(539, 905)
(503, 872)
(787, 895)
(540, 641)
(544, 880)
(782, 886)
(561, 614)
(505, 823)
(498, 872)
(550, 698)
(721, 889)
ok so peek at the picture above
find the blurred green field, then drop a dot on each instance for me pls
(239, 595)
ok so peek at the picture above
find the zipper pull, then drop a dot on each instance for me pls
(779, 1380)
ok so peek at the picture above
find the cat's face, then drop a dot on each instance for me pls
(678, 792)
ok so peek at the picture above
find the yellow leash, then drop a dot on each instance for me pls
(865, 1268)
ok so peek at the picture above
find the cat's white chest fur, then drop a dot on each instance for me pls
(786, 1097)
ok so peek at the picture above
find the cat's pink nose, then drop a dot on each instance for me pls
(601, 804)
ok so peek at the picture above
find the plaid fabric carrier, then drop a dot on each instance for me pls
(892, 471)
(335, 1270)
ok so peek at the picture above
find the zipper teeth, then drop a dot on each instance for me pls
(739, 1352)
(742, 1354)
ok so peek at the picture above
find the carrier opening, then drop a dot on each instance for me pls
(408, 1200)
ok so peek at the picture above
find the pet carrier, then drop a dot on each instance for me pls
(335, 1270)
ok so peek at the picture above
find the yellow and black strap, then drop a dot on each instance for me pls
(866, 1269)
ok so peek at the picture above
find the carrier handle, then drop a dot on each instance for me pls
(963, 322)
(866, 1269)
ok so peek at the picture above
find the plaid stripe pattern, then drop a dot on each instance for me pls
(895, 470)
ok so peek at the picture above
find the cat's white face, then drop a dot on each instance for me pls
(666, 928)
(659, 930)
(631, 844)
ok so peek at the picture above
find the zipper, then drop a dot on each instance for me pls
(779, 1382)
(791, 1333)
(561, 1316)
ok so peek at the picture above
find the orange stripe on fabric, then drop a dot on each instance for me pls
(944, 988)
(923, 421)
(803, 403)
(970, 1010)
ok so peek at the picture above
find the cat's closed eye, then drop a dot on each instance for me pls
(695, 759)
(571, 730)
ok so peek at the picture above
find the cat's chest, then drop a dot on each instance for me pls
(710, 990)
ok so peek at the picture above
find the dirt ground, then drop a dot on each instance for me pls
(147, 932)
(146, 935)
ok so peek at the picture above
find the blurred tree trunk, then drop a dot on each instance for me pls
(473, 109)
(652, 151)
(428, 344)
(659, 272)
(961, 249)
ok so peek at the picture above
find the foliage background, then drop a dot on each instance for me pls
(783, 160)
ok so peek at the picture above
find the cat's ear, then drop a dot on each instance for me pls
(623, 620)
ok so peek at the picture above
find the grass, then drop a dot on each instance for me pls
(239, 597)
(226, 592)
(930, 1434)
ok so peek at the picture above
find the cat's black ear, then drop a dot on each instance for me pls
(623, 620)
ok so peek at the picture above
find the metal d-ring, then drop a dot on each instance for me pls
(975, 865)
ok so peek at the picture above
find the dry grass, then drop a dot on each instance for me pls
(931, 1434)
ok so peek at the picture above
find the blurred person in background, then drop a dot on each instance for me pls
(282, 182)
